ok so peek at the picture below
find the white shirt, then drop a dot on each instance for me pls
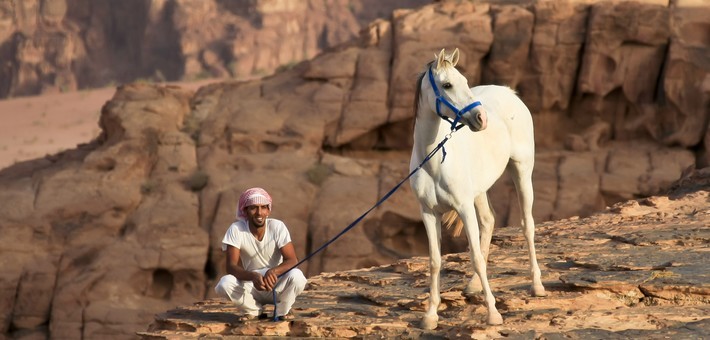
(257, 254)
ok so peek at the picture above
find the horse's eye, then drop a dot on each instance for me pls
(447, 85)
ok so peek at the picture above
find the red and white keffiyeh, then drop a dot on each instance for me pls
(253, 196)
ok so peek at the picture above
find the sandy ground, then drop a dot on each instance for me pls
(33, 127)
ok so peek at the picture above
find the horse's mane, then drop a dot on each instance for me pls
(418, 90)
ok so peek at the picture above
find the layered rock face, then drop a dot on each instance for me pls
(102, 237)
(63, 45)
(92, 243)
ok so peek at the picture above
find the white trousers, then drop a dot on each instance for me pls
(249, 299)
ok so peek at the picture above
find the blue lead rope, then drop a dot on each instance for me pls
(384, 198)
(455, 126)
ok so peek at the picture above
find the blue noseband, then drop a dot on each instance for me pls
(440, 99)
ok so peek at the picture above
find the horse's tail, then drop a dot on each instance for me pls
(451, 219)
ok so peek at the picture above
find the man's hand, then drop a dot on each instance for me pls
(266, 282)
(258, 281)
(270, 279)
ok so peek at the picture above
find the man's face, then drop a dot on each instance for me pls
(257, 214)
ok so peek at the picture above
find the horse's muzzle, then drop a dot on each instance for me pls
(476, 119)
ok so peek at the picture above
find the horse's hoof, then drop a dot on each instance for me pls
(495, 318)
(473, 287)
(538, 291)
(430, 322)
(470, 291)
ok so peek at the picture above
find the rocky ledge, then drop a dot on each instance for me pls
(637, 270)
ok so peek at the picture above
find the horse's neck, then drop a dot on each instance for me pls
(429, 131)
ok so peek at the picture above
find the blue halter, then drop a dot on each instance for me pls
(440, 99)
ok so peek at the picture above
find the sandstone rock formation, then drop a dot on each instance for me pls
(84, 262)
(105, 236)
(636, 270)
(64, 45)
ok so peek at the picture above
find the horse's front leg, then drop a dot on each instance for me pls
(468, 214)
(432, 223)
(486, 216)
(522, 177)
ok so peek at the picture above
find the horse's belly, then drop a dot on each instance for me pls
(443, 186)
(480, 175)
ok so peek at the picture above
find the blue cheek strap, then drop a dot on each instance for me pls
(455, 125)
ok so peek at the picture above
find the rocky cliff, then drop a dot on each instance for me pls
(101, 238)
(63, 45)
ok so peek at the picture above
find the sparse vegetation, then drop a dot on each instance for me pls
(149, 186)
(660, 274)
(202, 75)
(259, 72)
(352, 7)
(159, 76)
(287, 66)
(233, 69)
(319, 173)
(198, 180)
(191, 126)
(152, 140)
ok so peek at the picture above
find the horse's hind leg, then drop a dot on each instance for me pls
(522, 177)
(486, 217)
(433, 232)
(468, 215)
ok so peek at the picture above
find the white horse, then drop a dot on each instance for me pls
(500, 135)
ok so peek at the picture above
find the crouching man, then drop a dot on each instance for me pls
(259, 249)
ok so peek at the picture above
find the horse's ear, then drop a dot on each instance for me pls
(440, 58)
(455, 57)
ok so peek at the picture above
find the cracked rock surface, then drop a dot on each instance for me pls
(637, 270)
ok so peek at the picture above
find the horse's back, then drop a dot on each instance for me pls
(505, 103)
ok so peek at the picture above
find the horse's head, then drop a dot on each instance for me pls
(451, 97)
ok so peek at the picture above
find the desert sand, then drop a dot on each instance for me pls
(36, 126)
